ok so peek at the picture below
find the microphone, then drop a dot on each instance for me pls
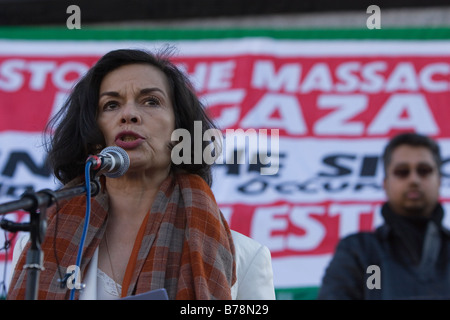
(112, 162)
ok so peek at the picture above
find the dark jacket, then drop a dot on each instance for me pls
(379, 265)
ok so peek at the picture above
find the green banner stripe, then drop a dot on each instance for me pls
(303, 293)
(62, 33)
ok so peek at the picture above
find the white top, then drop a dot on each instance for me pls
(107, 287)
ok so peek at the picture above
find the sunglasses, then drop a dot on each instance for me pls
(422, 171)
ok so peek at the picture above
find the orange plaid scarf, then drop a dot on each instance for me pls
(186, 245)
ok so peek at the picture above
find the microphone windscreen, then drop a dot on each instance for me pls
(121, 158)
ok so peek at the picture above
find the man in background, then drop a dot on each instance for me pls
(408, 257)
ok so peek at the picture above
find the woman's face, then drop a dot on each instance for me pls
(135, 113)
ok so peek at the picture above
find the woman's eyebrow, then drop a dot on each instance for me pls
(142, 92)
(110, 93)
(151, 90)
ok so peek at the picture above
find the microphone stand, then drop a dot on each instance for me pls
(36, 204)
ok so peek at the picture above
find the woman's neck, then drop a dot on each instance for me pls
(132, 196)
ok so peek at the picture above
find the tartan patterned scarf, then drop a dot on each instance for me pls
(186, 247)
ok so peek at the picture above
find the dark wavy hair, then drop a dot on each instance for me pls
(73, 133)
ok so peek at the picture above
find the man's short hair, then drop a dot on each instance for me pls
(415, 140)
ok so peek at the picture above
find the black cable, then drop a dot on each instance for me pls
(6, 246)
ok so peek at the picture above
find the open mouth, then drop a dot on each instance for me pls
(128, 138)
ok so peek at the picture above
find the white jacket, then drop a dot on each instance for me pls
(253, 270)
